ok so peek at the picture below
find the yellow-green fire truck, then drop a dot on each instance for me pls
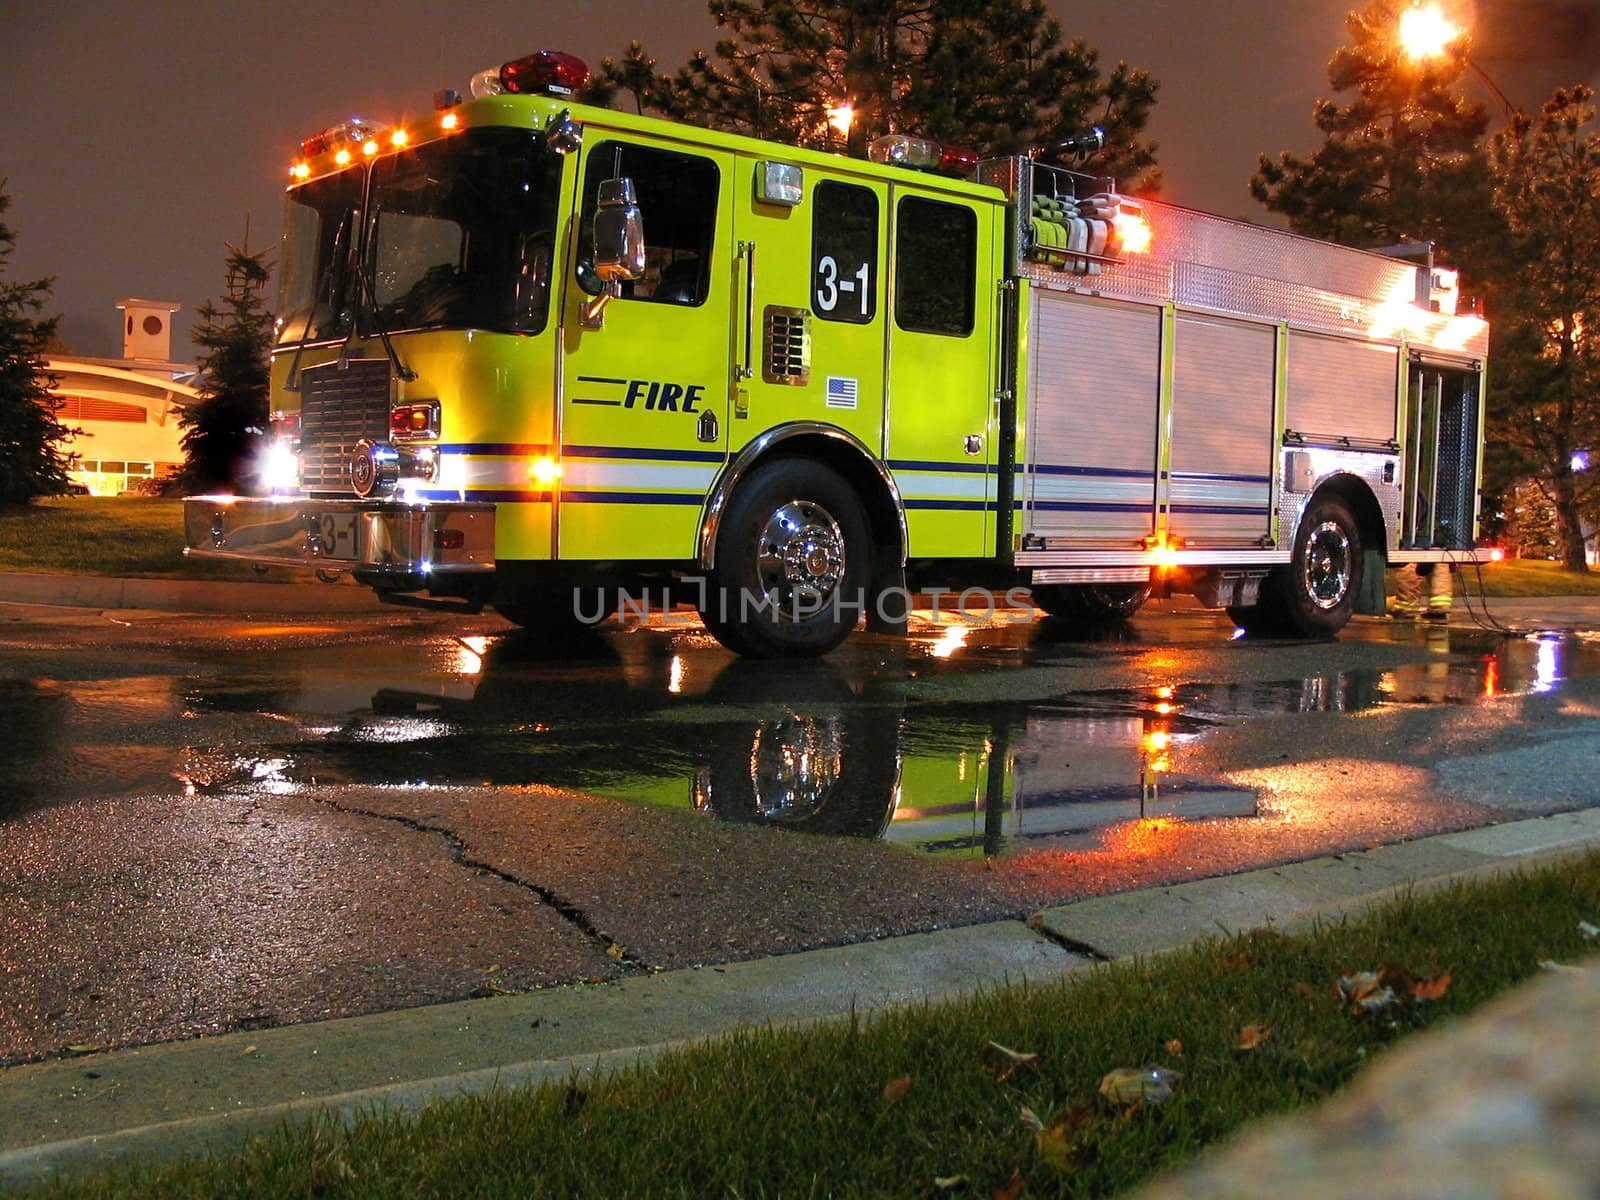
(530, 350)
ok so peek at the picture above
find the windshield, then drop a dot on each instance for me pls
(317, 228)
(459, 234)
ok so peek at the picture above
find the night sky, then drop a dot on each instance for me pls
(136, 139)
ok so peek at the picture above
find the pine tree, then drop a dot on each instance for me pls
(1401, 161)
(31, 463)
(224, 427)
(1546, 402)
(991, 75)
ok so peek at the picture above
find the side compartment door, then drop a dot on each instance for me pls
(644, 398)
(1221, 456)
(941, 425)
(1094, 391)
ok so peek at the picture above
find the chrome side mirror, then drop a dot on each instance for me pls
(618, 245)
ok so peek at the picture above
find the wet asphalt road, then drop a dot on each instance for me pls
(213, 823)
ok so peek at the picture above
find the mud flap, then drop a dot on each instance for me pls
(1372, 600)
(888, 601)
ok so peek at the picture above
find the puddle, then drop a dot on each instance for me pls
(810, 747)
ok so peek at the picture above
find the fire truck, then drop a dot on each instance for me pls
(530, 349)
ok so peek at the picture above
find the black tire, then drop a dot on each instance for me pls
(1314, 595)
(1256, 619)
(555, 613)
(1096, 602)
(793, 563)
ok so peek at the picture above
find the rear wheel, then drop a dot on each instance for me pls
(793, 563)
(1092, 601)
(1314, 594)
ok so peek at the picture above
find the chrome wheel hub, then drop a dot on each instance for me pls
(1328, 565)
(800, 558)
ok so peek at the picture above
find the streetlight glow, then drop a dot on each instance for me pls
(1425, 31)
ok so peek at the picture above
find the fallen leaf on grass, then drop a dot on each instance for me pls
(1368, 991)
(1174, 1048)
(249, 1050)
(1431, 989)
(1029, 1120)
(949, 1183)
(615, 951)
(1585, 929)
(1054, 1146)
(1003, 1062)
(1129, 1085)
(1057, 1145)
(84, 1048)
(1252, 1036)
(1364, 992)
(1545, 964)
(895, 1089)
(1013, 1188)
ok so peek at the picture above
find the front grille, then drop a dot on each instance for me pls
(338, 407)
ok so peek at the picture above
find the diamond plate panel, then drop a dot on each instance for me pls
(1205, 261)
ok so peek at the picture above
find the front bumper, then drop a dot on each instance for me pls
(374, 537)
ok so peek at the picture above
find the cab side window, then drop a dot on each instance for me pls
(935, 266)
(677, 196)
(844, 253)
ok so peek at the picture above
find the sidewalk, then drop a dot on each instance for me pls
(183, 595)
(212, 1093)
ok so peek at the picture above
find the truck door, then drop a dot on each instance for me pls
(942, 368)
(809, 340)
(644, 398)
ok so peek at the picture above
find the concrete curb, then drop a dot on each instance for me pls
(183, 595)
(202, 1096)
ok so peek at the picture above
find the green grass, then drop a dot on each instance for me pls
(95, 535)
(1529, 577)
(812, 1113)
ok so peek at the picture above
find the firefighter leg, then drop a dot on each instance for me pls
(1406, 590)
(1439, 587)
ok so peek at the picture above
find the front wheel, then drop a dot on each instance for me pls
(1314, 594)
(793, 563)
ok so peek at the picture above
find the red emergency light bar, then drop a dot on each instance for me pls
(354, 132)
(548, 71)
(922, 154)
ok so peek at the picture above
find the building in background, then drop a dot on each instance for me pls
(127, 408)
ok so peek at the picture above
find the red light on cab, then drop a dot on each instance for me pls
(957, 160)
(548, 71)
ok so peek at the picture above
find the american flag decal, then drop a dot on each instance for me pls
(841, 392)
